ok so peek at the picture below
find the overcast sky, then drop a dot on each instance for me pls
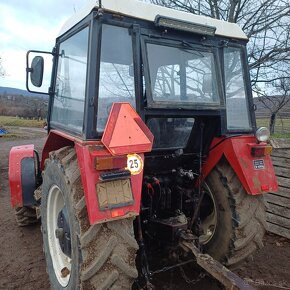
(29, 24)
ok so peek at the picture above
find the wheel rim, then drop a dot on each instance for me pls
(208, 213)
(61, 262)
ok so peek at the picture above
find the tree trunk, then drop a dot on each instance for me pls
(272, 122)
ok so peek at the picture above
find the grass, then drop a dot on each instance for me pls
(282, 127)
(18, 122)
(280, 135)
(284, 123)
(10, 136)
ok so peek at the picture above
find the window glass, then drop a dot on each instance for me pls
(69, 100)
(236, 102)
(180, 75)
(170, 132)
(116, 82)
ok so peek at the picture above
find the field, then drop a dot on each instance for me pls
(20, 128)
(7, 121)
(282, 126)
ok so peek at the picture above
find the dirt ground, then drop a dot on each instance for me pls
(22, 263)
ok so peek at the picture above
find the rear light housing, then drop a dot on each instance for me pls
(261, 150)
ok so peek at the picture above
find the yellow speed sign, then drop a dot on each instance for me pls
(134, 163)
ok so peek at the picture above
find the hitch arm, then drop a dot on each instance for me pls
(229, 279)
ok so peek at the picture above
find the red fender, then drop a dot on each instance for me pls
(16, 155)
(125, 133)
(256, 174)
(55, 141)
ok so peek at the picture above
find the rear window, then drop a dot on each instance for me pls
(182, 76)
(170, 133)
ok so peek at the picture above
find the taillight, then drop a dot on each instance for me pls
(265, 187)
(109, 162)
(117, 212)
(260, 151)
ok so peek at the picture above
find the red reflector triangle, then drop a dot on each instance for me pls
(125, 131)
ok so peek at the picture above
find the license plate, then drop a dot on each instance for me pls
(114, 194)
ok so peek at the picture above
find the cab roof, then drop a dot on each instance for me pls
(148, 11)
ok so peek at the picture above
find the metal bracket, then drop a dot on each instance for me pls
(229, 279)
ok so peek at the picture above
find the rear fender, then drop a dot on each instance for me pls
(125, 139)
(256, 174)
(55, 140)
(104, 163)
(23, 163)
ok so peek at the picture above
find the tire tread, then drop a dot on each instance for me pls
(248, 217)
(108, 250)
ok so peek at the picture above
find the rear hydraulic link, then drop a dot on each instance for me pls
(226, 277)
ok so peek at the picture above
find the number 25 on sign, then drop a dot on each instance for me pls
(134, 163)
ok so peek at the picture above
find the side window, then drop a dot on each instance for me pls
(116, 79)
(69, 100)
(236, 97)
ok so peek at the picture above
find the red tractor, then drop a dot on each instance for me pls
(152, 148)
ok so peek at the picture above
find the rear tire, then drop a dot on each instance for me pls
(102, 256)
(25, 216)
(241, 218)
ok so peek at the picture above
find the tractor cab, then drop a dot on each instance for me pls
(180, 73)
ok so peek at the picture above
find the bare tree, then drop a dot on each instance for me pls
(266, 24)
(276, 103)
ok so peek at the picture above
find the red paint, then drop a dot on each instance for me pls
(87, 154)
(90, 177)
(265, 187)
(237, 151)
(15, 157)
(125, 131)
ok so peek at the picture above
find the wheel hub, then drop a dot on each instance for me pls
(208, 214)
(63, 232)
(58, 235)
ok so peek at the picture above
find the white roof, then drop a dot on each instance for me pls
(147, 11)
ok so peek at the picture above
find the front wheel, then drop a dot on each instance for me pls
(233, 221)
(79, 255)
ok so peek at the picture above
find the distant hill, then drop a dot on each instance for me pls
(19, 92)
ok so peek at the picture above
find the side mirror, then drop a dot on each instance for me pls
(37, 74)
(36, 71)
